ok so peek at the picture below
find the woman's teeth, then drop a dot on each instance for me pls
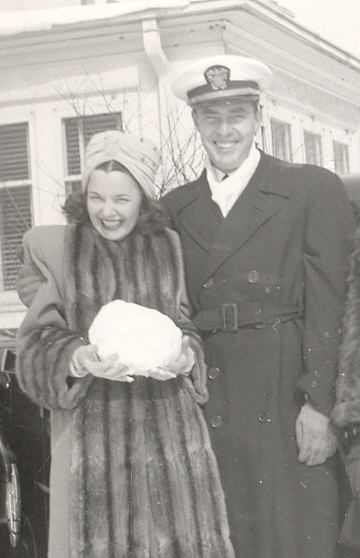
(111, 225)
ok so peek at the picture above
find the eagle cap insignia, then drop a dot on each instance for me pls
(217, 77)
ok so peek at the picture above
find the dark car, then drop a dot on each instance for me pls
(24, 464)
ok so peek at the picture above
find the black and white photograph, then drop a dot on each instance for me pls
(179, 279)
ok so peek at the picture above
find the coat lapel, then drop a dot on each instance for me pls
(261, 199)
(197, 210)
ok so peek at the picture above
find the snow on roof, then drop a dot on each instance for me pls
(14, 22)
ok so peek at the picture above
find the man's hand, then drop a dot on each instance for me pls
(315, 437)
(28, 283)
(86, 361)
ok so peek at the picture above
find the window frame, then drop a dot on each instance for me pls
(71, 181)
(348, 156)
(288, 126)
(318, 134)
(12, 184)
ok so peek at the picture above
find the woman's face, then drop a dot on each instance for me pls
(113, 202)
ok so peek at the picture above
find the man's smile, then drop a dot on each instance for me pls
(225, 146)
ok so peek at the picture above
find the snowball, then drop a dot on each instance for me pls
(142, 338)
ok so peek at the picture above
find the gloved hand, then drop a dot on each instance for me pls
(28, 283)
(86, 361)
(186, 360)
(315, 436)
(161, 374)
(182, 365)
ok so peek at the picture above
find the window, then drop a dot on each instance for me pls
(15, 199)
(341, 157)
(78, 131)
(313, 150)
(281, 140)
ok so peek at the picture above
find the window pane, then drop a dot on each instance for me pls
(341, 157)
(72, 146)
(72, 187)
(14, 159)
(100, 123)
(313, 151)
(15, 220)
(79, 130)
(281, 140)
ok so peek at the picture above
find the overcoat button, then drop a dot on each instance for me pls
(216, 422)
(264, 417)
(209, 283)
(253, 276)
(313, 384)
(213, 373)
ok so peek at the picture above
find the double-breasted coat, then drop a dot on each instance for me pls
(279, 261)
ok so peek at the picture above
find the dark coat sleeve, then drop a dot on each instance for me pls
(45, 344)
(328, 242)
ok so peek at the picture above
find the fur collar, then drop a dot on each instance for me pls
(347, 405)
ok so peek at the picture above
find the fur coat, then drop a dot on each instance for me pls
(346, 411)
(143, 480)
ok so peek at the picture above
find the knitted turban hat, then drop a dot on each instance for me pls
(139, 156)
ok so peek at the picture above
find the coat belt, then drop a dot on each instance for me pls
(231, 316)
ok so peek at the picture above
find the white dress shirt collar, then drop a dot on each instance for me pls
(225, 191)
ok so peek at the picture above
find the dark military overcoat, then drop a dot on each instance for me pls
(276, 266)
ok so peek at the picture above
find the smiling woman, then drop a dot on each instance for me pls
(113, 201)
(132, 469)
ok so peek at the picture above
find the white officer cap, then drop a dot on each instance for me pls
(222, 76)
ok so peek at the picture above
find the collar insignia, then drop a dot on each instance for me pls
(217, 77)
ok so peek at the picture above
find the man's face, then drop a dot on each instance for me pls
(227, 129)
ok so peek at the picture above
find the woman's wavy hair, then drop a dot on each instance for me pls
(152, 217)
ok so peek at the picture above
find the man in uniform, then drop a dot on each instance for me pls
(266, 247)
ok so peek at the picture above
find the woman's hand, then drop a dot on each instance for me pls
(85, 360)
(185, 361)
(161, 374)
(182, 365)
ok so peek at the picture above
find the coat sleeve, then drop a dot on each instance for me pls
(198, 376)
(28, 282)
(328, 242)
(44, 342)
